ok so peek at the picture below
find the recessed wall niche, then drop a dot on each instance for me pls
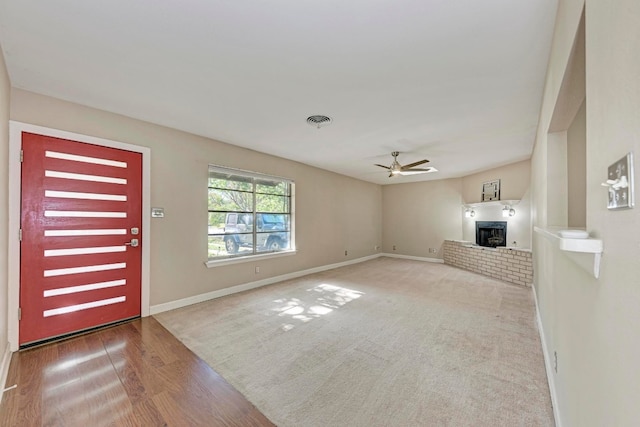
(566, 144)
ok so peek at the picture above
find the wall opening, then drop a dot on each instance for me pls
(566, 144)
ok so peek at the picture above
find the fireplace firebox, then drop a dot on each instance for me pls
(491, 233)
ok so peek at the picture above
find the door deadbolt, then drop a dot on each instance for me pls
(133, 243)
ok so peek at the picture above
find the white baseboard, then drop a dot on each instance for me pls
(4, 369)
(414, 258)
(548, 364)
(172, 305)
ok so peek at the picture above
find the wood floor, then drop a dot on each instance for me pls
(134, 374)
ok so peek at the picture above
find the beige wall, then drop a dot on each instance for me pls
(594, 324)
(334, 213)
(577, 170)
(4, 198)
(557, 187)
(514, 179)
(421, 215)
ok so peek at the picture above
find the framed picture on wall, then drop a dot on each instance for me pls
(620, 183)
(491, 190)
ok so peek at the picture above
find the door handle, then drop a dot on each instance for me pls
(133, 243)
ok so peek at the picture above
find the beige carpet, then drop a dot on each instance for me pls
(387, 342)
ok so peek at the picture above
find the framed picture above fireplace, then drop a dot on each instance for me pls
(491, 190)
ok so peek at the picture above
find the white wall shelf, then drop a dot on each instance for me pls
(576, 249)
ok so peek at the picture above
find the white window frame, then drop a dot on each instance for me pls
(254, 256)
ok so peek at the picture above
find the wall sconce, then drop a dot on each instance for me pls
(508, 211)
(469, 213)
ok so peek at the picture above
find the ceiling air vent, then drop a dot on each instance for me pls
(318, 121)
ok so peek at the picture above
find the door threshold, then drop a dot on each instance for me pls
(70, 335)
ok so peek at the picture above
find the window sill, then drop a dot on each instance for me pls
(243, 259)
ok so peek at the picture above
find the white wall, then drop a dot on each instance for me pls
(594, 324)
(4, 199)
(334, 213)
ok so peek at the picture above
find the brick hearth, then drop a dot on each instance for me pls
(512, 265)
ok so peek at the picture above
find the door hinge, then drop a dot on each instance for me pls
(20, 234)
(19, 313)
(21, 156)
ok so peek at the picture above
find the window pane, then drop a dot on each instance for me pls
(273, 242)
(216, 246)
(272, 203)
(230, 244)
(272, 222)
(229, 200)
(272, 187)
(230, 182)
(216, 220)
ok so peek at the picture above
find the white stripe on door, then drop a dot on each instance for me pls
(85, 196)
(103, 232)
(83, 177)
(84, 306)
(84, 269)
(84, 159)
(84, 251)
(83, 288)
(84, 214)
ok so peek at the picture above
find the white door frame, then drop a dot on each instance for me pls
(13, 267)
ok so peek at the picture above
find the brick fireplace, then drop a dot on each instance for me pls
(513, 265)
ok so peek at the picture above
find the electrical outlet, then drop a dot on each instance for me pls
(346, 253)
(433, 250)
(257, 270)
(394, 247)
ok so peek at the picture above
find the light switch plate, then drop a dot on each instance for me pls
(157, 212)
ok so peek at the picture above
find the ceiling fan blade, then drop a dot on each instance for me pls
(410, 165)
(386, 167)
(417, 171)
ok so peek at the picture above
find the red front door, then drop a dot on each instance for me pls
(80, 259)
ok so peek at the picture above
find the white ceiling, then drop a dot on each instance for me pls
(458, 82)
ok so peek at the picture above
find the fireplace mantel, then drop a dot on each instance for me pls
(491, 203)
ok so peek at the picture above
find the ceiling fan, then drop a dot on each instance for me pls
(410, 169)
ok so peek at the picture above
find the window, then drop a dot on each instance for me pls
(249, 214)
